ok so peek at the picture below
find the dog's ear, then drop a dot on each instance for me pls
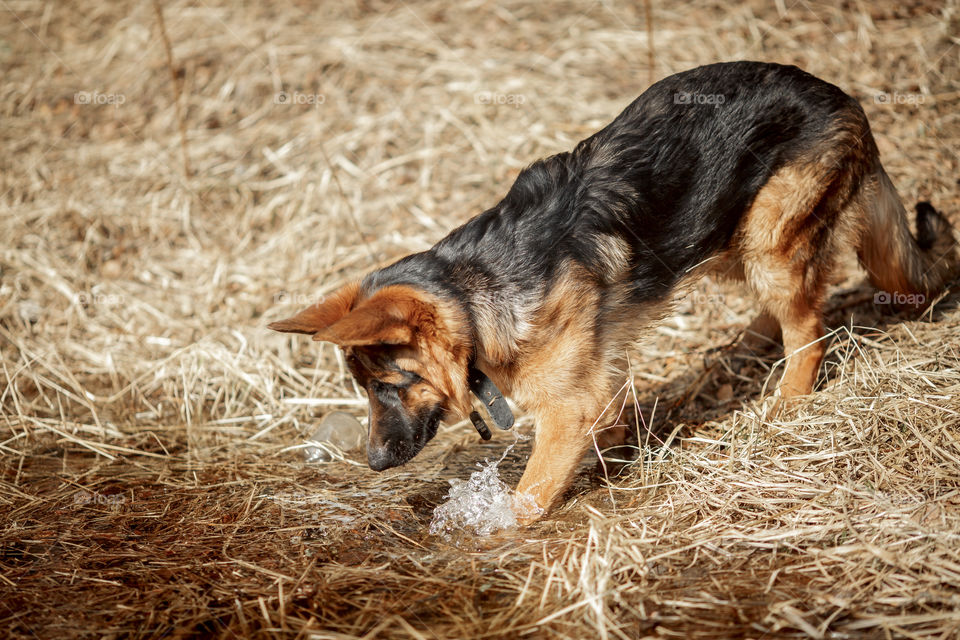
(319, 316)
(378, 320)
(387, 317)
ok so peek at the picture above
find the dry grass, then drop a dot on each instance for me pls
(149, 487)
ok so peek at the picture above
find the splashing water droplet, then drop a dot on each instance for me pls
(481, 505)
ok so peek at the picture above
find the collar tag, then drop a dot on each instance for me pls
(492, 399)
(480, 425)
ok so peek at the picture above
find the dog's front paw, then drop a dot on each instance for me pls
(526, 509)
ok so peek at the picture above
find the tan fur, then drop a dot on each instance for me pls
(886, 244)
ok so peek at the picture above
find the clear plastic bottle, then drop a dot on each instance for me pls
(339, 429)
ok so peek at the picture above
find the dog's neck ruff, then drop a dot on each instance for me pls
(492, 398)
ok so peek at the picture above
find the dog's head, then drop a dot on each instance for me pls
(409, 350)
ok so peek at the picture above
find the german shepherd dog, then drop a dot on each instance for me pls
(755, 171)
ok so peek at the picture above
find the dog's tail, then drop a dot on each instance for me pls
(908, 271)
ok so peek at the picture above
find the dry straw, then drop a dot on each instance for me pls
(151, 486)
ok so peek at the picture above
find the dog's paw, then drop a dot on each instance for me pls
(526, 509)
(776, 404)
(618, 445)
(771, 406)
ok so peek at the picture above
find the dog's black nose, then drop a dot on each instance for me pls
(380, 458)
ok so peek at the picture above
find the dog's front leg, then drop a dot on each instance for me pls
(562, 439)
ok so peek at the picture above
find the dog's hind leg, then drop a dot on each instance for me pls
(798, 223)
(802, 344)
(793, 296)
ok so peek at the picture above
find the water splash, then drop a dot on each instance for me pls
(482, 505)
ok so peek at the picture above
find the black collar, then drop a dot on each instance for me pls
(492, 399)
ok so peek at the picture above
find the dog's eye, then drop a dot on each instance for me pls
(409, 378)
(384, 387)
